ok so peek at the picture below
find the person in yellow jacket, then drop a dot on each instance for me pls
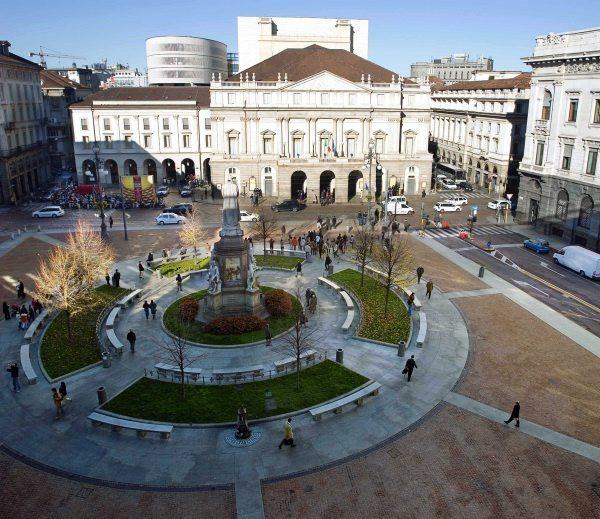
(288, 438)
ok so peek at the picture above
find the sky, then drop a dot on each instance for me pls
(400, 32)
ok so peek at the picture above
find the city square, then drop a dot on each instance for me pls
(362, 308)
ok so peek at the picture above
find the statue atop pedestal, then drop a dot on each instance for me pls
(251, 283)
(231, 211)
(242, 430)
(214, 279)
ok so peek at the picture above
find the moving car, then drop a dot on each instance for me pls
(466, 187)
(443, 207)
(401, 199)
(170, 218)
(188, 207)
(399, 208)
(185, 192)
(181, 211)
(500, 204)
(538, 245)
(583, 261)
(162, 191)
(457, 200)
(447, 184)
(287, 205)
(245, 216)
(51, 211)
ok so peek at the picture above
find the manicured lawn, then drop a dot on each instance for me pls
(194, 331)
(180, 267)
(60, 355)
(284, 262)
(151, 399)
(393, 327)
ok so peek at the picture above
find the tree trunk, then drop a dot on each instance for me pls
(362, 274)
(387, 296)
(264, 245)
(182, 371)
(68, 314)
(298, 371)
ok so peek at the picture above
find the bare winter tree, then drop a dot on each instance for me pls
(193, 234)
(363, 250)
(395, 262)
(265, 227)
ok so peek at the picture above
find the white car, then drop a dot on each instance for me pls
(170, 218)
(446, 207)
(399, 208)
(245, 216)
(501, 204)
(447, 184)
(51, 211)
(457, 200)
(162, 191)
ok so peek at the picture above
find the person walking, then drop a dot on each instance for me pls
(20, 289)
(179, 280)
(146, 308)
(294, 243)
(409, 367)
(328, 262)
(515, 414)
(107, 277)
(268, 335)
(110, 221)
(420, 272)
(271, 244)
(13, 369)
(410, 302)
(299, 269)
(62, 391)
(58, 403)
(288, 434)
(149, 259)
(153, 308)
(6, 310)
(131, 338)
(141, 269)
(423, 194)
(429, 287)
(283, 230)
(117, 278)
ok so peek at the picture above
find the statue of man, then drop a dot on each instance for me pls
(231, 208)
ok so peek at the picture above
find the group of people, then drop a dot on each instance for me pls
(25, 314)
(116, 278)
(60, 398)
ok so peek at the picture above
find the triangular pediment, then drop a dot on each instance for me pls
(326, 81)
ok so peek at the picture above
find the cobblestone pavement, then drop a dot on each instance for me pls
(556, 382)
(455, 465)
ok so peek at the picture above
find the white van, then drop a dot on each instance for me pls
(583, 261)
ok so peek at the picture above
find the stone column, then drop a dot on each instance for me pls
(243, 135)
(310, 137)
(281, 147)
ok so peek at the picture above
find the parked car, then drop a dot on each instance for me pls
(500, 204)
(287, 205)
(188, 207)
(447, 184)
(185, 192)
(538, 245)
(245, 216)
(457, 200)
(162, 191)
(583, 261)
(443, 207)
(399, 208)
(170, 218)
(181, 211)
(51, 211)
(401, 199)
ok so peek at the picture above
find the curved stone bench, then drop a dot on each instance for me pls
(416, 302)
(141, 428)
(330, 284)
(347, 299)
(129, 298)
(422, 335)
(26, 365)
(112, 316)
(242, 371)
(348, 322)
(283, 364)
(35, 325)
(336, 406)
(168, 369)
(114, 341)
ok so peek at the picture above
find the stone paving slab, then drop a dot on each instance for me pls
(556, 381)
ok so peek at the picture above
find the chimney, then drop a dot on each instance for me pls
(4, 46)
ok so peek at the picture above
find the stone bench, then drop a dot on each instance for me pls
(336, 406)
(168, 369)
(330, 284)
(35, 325)
(348, 322)
(422, 335)
(114, 341)
(347, 299)
(129, 298)
(112, 316)
(141, 428)
(26, 365)
(416, 302)
(281, 365)
(242, 371)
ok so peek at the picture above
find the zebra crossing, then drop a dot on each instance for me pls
(473, 195)
(478, 230)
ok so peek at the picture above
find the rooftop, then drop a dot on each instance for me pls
(51, 79)
(199, 94)
(522, 81)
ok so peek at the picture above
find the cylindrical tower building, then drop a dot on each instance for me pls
(184, 60)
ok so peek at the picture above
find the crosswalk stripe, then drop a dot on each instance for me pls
(484, 230)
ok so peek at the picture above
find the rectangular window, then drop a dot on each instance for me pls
(108, 142)
(267, 145)
(147, 141)
(107, 124)
(380, 99)
(166, 141)
(146, 123)
(592, 161)
(207, 124)
(410, 146)
(186, 141)
(297, 99)
(126, 124)
(351, 145)
(539, 154)
(297, 147)
(596, 116)
(232, 143)
(185, 123)
(165, 122)
(379, 145)
(497, 128)
(266, 98)
(86, 143)
(231, 98)
(567, 154)
(489, 127)
(352, 99)
(573, 105)
(324, 99)
(84, 124)
(128, 143)
(208, 141)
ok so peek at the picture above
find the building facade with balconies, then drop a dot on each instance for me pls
(479, 127)
(23, 145)
(560, 172)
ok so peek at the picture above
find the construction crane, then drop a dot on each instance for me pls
(42, 55)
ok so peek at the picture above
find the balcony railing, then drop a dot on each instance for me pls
(542, 125)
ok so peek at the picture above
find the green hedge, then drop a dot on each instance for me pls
(283, 262)
(393, 327)
(173, 268)
(150, 399)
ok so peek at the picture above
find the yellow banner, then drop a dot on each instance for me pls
(139, 189)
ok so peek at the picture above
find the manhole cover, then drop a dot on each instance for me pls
(230, 438)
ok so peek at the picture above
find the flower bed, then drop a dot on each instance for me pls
(61, 356)
(150, 399)
(390, 328)
(282, 262)
(173, 268)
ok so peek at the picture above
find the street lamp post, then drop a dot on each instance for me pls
(369, 163)
(103, 233)
(123, 209)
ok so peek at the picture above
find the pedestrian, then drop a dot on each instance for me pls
(271, 243)
(283, 230)
(423, 194)
(117, 278)
(294, 243)
(288, 436)
(146, 308)
(406, 225)
(429, 287)
(153, 308)
(420, 272)
(23, 320)
(150, 259)
(31, 313)
(410, 302)
(179, 280)
(13, 369)
(409, 366)
(107, 277)
(308, 295)
(141, 269)
(6, 310)
(20, 289)
(281, 245)
(62, 390)
(515, 414)
(58, 403)
(327, 264)
(268, 335)
(110, 221)
(299, 269)
(131, 338)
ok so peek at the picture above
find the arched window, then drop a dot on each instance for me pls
(586, 210)
(546, 106)
(562, 205)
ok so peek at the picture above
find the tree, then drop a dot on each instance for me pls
(177, 351)
(394, 260)
(265, 227)
(193, 234)
(363, 249)
(67, 277)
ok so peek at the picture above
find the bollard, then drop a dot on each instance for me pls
(102, 398)
(105, 360)
(401, 348)
(39, 228)
(12, 235)
(25, 228)
(481, 271)
(18, 232)
(339, 356)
